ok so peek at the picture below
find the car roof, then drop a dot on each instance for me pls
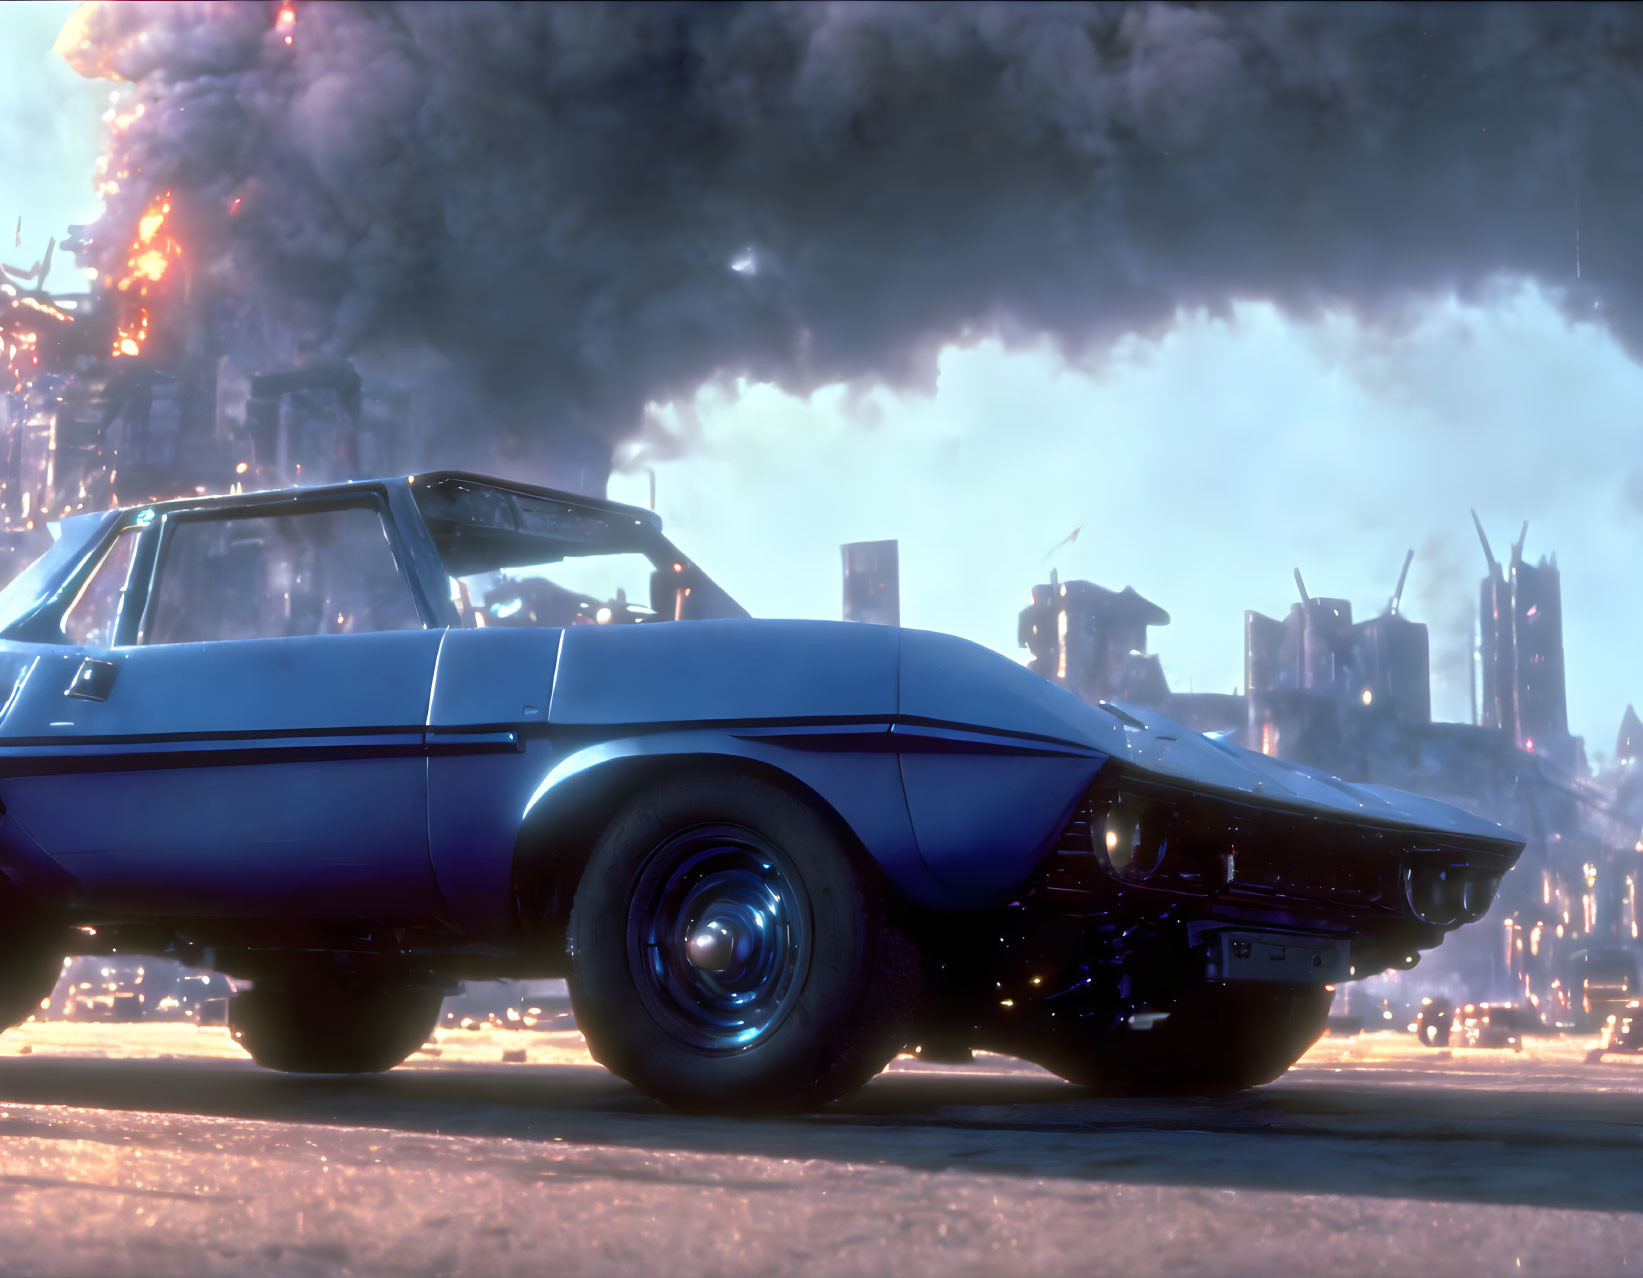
(420, 480)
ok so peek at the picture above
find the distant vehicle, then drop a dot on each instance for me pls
(1622, 1032)
(1435, 1020)
(104, 989)
(1441, 1024)
(303, 739)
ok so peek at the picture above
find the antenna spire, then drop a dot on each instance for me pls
(1494, 568)
(1397, 595)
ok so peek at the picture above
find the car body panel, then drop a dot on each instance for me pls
(982, 821)
(862, 786)
(493, 677)
(403, 775)
(948, 678)
(253, 771)
(727, 671)
(945, 679)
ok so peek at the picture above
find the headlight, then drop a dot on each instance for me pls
(1447, 895)
(1129, 832)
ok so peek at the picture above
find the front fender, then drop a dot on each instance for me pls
(986, 808)
(855, 776)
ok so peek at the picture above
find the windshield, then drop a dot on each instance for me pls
(34, 585)
(527, 559)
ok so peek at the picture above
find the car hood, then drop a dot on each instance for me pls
(774, 671)
(949, 680)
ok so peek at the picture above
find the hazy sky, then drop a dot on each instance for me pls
(49, 129)
(1203, 466)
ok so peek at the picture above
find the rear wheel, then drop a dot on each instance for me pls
(1214, 1039)
(730, 953)
(324, 1028)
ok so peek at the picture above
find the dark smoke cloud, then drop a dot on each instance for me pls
(551, 198)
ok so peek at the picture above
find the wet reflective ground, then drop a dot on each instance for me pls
(155, 1150)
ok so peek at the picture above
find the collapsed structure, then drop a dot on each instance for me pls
(1353, 698)
(151, 385)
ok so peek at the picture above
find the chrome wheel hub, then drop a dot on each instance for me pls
(720, 947)
(719, 937)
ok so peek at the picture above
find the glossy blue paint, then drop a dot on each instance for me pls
(724, 671)
(478, 779)
(304, 780)
(1164, 748)
(862, 787)
(945, 679)
(32, 870)
(494, 675)
(984, 822)
(388, 776)
(926, 738)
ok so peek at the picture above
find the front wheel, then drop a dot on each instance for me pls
(730, 953)
(324, 1028)
(31, 961)
(1213, 1040)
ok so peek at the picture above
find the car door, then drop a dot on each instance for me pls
(246, 738)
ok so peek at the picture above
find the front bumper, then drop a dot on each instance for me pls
(1286, 958)
(1370, 896)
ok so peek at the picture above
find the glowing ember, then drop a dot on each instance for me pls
(129, 338)
(153, 253)
(22, 357)
(286, 23)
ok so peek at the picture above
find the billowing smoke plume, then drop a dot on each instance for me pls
(588, 207)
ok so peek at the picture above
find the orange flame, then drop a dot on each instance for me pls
(286, 23)
(22, 320)
(153, 253)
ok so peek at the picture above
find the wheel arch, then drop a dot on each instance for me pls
(574, 806)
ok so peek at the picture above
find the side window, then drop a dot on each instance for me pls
(91, 618)
(577, 590)
(315, 572)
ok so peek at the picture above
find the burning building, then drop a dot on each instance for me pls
(143, 388)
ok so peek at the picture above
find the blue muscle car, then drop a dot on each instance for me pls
(354, 744)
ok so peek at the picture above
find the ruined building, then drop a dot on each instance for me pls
(153, 385)
(1094, 641)
(1353, 698)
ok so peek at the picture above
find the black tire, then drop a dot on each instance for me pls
(325, 1028)
(1216, 1039)
(31, 961)
(796, 1008)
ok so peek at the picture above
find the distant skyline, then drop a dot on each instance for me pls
(1203, 465)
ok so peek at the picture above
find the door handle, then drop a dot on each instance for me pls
(93, 681)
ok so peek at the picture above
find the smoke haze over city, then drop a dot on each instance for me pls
(1228, 289)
